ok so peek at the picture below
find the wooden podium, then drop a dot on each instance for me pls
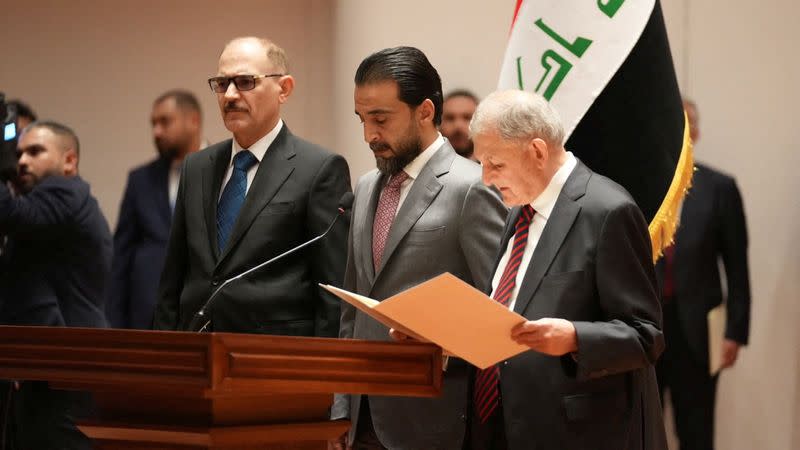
(170, 390)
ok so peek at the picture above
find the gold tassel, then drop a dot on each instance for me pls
(663, 226)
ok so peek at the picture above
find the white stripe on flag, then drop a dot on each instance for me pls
(567, 51)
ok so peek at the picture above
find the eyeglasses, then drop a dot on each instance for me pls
(242, 82)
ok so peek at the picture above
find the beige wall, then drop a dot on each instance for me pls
(98, 67)
(441, 29)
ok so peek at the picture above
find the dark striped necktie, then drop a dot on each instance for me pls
(486, 392)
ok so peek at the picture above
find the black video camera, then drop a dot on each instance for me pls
(8, 145)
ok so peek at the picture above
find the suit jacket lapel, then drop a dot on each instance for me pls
(158, 177)
(555, 231)
(213, 173)
(272, 172)
(425, 188)
(362, 234)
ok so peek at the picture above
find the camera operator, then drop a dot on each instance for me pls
(24, 113)
(55, 269)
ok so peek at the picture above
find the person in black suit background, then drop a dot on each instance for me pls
(145, 216)
(55, 273)
(712, 228)
(575, 260)
(243, 201)
(457, 110)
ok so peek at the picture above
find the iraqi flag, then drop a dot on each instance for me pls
(605, 66)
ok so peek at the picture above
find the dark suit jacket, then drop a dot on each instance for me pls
(449, 222)
(712, 227)
(593, 267)
(57, 258)
(293, 197)
(140, 246)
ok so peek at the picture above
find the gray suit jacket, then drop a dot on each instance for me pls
(449, 222)
(593, 267)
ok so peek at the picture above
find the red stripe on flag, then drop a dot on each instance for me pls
(516, 11)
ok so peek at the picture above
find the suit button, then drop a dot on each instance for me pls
(505, 363)
(463, 417)
(215, 283)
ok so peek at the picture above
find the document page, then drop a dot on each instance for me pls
(716, 335)
(447, 311)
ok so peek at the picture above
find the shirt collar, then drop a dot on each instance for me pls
(546, 201)
(415, 167)
(259, 149)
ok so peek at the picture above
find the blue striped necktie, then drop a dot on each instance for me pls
(232, 197)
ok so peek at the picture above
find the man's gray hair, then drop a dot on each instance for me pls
(518, 116)
(275, 54)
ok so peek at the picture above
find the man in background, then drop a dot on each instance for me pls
(457, 110)
(54, 273)
(712, 229)
(145, 216)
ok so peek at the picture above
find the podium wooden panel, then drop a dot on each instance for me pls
(171, 390)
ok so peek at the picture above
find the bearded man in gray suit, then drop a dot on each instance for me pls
(424, 212)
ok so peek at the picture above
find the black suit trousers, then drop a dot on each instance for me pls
(37, 417)
(692, 390)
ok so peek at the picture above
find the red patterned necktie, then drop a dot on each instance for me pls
(384, 215)
(486, 392)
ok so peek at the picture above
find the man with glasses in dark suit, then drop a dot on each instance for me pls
(250, 198)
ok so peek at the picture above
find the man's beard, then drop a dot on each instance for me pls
(465, 151)
(26, 184)
(167, 151)
(404, 152)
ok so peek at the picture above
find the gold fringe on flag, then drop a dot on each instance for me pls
(663, 226)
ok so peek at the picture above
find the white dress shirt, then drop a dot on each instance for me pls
(543, 207)
(259, 149)
(173, 180)
(415, 167)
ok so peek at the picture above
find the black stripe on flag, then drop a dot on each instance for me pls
(633, 132)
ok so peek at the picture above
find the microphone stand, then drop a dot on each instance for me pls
(201, 314)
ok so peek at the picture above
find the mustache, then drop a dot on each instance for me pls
(233, 107)
(379, 146)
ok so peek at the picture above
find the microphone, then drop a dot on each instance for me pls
(345, 203)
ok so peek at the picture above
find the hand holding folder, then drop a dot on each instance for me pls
(450, 313)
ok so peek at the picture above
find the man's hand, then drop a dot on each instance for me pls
(730, 351)
(402, 337)
(554, 337)
(398, 336)
(339, 444)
